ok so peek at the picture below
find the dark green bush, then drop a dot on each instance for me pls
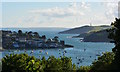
(103, 62)
(25, 63)
(84, 69)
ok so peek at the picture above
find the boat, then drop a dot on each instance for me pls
(40, 51)
(81, 39)
(47, 53)
(31, 52)
(98, 54)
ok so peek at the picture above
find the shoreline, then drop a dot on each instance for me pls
(66, 46)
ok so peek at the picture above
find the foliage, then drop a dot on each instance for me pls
(103, 62)
(0, 66)
(110, 60)
(25, 63)
(20, 62)
(84, 69)
(115, 35)
(19, 32)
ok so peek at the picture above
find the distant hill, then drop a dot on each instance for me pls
(100, 36)
(90, 33)
(37, 29)
(84, 29)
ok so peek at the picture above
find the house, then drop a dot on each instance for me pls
(6, 39)
(45, 45)
(40, 45)
(7, 35)
(6, 32)
(38, 42)
(53, 44)
(62, 42)
(29, 42)
(22, 44)
(22, 39)
(17, 39)
(15, 44)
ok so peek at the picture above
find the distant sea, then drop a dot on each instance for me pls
(86, 51)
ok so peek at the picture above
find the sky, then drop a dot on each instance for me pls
(57, 14)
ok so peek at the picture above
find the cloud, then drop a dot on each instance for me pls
(74, 14)
(85, 5)
(111, 9)
(59, 12)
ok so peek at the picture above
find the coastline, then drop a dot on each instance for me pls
(30, 40)
(65, 46)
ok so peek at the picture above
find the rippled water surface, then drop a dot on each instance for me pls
(85, 51)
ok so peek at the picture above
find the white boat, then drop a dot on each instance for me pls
(47, 53)
(98, 54)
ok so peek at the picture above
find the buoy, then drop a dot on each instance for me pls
(65, 51)
(84, 50)
(47, 53)
(59, 49)
(76, 57)
(31, 52)
(90, 56)
(78, 63)
(82, 58)
(40, 51)
(40, 56)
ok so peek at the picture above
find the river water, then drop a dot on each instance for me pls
(86, 51)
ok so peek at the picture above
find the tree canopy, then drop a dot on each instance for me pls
(25, 63)
(115, 35)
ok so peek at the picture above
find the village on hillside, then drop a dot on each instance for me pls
(29, 40)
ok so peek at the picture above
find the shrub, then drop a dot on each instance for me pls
(103, 62)
(25, 63)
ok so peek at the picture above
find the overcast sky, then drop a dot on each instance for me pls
(57, 14)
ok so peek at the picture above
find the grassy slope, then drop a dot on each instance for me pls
(84, 29)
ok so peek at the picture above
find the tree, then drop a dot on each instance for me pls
(20, 32)
(110, 60)
(84, 69)
(66, 63)
(25, 63)
(43, 37)
(36, 35)
(30, 34)
(115, 35)
(104, 62)
(56, 39)
(54, 64)
(49, 40)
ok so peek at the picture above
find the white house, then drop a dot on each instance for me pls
(15, 44)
